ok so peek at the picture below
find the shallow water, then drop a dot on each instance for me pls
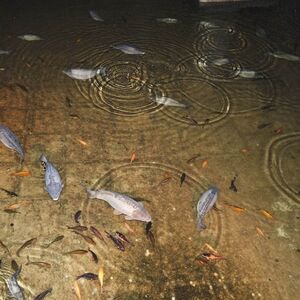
(232, 126)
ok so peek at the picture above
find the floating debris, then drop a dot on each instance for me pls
(42, 295)
(94, 15)
(53, 182)
(58, 238)
(167, 20)
(83, 143)
(25, 245)
(168, 101)
(133, 157)
(232, 184)
(10, 140)
(205, 203)
(77, 290)
(182, 178)
(278, 130)
(77, 217)
(122, 204)
(259, 231)
(88, 276)
(29, 37)
(127, 49)
(266, 214)
(205, 164)
(236, 208)
(100, 277)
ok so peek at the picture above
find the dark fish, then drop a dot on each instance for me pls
(77, 216)
(182, 178)
(58, 238)
(117, 242)
(95, 257)
(164, 181)
(148, 227)
(78, 251)
(205, 257)
(42, 295)
(14, 265)
(232, 184)
(11, 211)
(150, 236)
(25, 245)
(86, 238)
(88, 276)
(263, 125)
(12, 194)
(122, 237)
(5, 247)
(194, 158)
(69, 102)
(78, 228)
(268, 107)
(42, 264)
(97, 233)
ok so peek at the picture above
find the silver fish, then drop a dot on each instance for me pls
(167, 20)
(127, 49)
(29, 37)
(286, 56)
(4, 52)
(205, 203)
(9, 139)
(94, 15)
(122, 204)
(168, 101)
(53, 182)
(220, 61)
(249, 74)
(13, 286)
(84, 74)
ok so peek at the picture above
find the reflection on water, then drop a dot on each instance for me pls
(235, 75)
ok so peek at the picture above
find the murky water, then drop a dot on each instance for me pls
(232, 125)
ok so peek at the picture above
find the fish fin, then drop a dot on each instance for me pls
(128, 218)
(200, 224)
(117, 212)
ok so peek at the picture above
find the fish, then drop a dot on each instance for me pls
(58, 238)
(88, 276)
(220, 61)
(97, 233)
(128, 49)
(236, 208)
(168, 101)
(94, 256)
(100, 277)
(4, 247)
(21, 173)
(10, 140)
(43, 294)
(205, 203)
(260, 32)
(286, 56)
(53, 182)
(232, 184)
(94, 15)
(4, 52)
(148, 227)
(122, 204)
(86, 238)
(122, 237)
(42, 264)
(208, 25)
(77, 216)
(30, 37)
(167, 20)
(10, 193)
(13, 286)
(182, 178)
(263, 125)
(78, 228)
(266, 214)
(84, 74)
(194, 158)
(249, 74)
(117, 242)
(205, 257)
(25, 245)
(78, 251)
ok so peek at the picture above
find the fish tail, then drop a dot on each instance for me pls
(200, 224)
